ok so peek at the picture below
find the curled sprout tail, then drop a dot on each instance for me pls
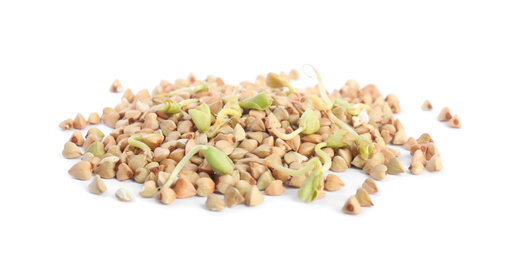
(174, 174)
(290, 89)
(321, 88)
(213, 130)
(286, 137)
(313, 162)
(219, 161)
(202, 87)
(316, 103)
(186, 102)
(231, 108)
(135, 141)
(327, 161)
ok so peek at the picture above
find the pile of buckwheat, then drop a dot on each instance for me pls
(206, 138)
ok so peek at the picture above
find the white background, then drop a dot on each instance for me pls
(59, 58)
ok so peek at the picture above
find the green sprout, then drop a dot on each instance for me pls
(258, 102)
(312, 186)
(170, 107)
(231, 108)
(186, 102)
(274, 80)
(309, 124)
(314, 183)
(340, 138)
(316, 103)
(201, 117)
(220, 162)
(322, 91)
(135, 141)
(202, 87)
(327, 161)
(311, 163)
(351, 110)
